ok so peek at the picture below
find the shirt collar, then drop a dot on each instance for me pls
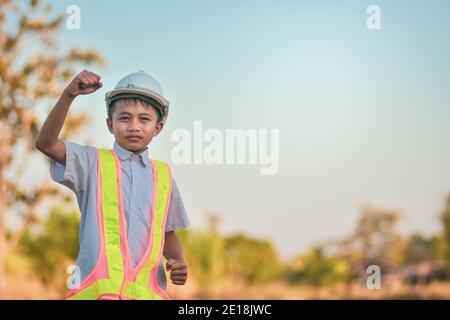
(125, 154)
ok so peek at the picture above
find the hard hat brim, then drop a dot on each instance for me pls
(113, 93)
(153, 99)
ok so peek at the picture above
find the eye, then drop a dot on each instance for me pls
(145, 119)
(123, 118)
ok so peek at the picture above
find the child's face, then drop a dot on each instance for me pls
(134, 125)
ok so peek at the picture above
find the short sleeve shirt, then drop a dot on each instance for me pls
(137, 185)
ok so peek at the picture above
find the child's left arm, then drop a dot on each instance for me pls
(175, 260)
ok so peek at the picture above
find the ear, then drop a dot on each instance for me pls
(109, 123)
(158, 128)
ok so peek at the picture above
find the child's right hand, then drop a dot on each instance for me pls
(85, 82)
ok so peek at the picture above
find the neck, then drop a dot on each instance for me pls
(137, 152)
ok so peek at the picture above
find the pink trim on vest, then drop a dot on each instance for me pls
(100, 270)
(109, 296)
(153, 276)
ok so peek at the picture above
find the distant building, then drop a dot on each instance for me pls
(421, 273)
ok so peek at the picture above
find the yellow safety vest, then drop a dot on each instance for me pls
(113, 276)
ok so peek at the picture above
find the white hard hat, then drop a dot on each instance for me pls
(140, 85)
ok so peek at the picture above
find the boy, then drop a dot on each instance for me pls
(130, 205)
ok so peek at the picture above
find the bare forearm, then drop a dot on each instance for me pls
(172, 247)
(47, 141)
(48, 136)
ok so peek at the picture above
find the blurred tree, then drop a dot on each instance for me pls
(52, 245)
(375, 239)
(32, 70)
(204, 253)
(316, 268)
(213, 257)
(421, 249)
(254, 261)
(213, 220)
(445, 218)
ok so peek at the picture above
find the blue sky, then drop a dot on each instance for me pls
(363, 115)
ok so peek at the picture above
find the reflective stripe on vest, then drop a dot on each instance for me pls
(113, 275)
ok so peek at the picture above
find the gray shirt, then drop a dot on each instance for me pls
(137, 184)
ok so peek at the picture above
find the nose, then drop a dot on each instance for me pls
(134, 125)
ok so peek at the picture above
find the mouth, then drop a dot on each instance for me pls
(134, 138)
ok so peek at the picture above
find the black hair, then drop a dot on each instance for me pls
(112, 106)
